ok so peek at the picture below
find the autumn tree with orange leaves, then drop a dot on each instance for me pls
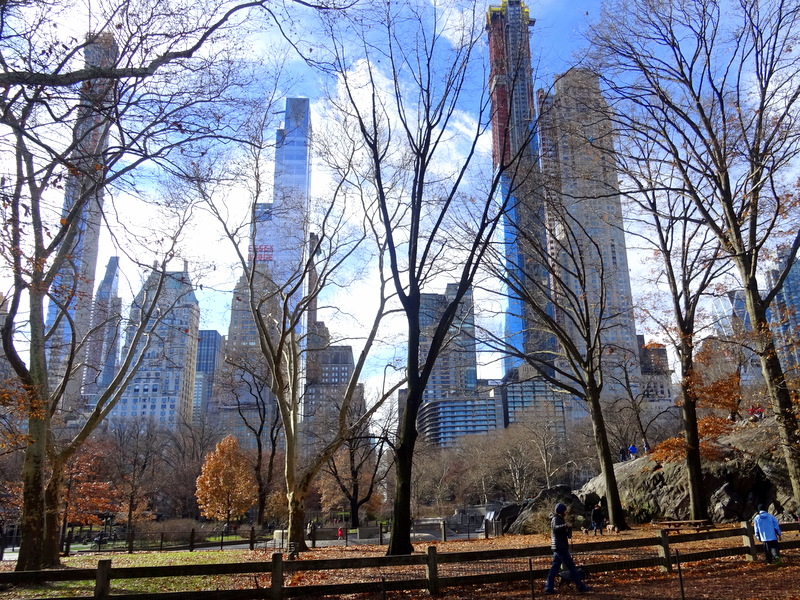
(88, 491)
(226, 488)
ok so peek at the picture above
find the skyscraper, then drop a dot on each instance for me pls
(278, 247)
(104, 340)
(515, 155)
(585, 214)
(784, 316)
(73, 287)
(162, 389)
(209, 360)
(452, 405)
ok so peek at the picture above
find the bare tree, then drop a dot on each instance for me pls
(281, 285)
(404, 74)
(710, 89)
(360, 466)
(135, 465)
(184, 452)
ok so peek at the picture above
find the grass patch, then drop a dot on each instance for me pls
(144, 586)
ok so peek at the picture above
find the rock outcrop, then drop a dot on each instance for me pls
(750, 472)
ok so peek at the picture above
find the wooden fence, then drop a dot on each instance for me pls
(432, 571)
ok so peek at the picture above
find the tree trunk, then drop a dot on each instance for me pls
(52, 504)
(297, 517)
(400, 540)
(616, 516)
(781, 402)
(777, 389)
(32, 525)
(698, 508)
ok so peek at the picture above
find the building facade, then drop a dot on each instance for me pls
(276, 267)
(586, 234)
(209, 361)
(162, 389)
(453, 405)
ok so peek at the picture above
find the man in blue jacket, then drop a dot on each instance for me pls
(559, 542)
(768, 531)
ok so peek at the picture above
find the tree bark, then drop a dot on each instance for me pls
(616, 515)
(694, 466)
(400, 540)
(52, 503)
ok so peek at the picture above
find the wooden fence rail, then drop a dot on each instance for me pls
(429, 571)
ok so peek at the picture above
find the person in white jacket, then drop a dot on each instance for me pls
(768, 531)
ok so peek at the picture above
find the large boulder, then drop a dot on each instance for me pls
(749, 471)
(536, 512)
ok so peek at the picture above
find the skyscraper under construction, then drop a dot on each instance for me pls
(515, 153)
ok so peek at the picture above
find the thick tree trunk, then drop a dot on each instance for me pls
(616, 515)
(777, 390)
(698, 507)
(400, 540)
(781, 402)
(32, 525)
(52, 503)
(297, 517)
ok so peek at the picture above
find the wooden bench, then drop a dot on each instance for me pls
(696, 525)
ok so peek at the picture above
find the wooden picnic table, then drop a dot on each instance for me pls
(697, 525)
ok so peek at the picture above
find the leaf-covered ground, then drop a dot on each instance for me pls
(720, 579)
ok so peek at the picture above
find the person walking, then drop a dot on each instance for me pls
(768, 532)
(561, 532)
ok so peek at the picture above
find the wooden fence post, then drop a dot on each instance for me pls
(663, 552)
(276, 580)
(102, 583)
(749, 541)
(380, 534)
(486, 523)
(252, 538)
(432, 572)
(191, 540)
(443, 527)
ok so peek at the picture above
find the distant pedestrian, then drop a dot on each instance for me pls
(340, 533)
(561, 532)
(632, 451)
(623, 454)
(646, 447)
(598, 518)
(768, 531)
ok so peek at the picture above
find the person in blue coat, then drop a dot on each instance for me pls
(768, 532)
(561, 532)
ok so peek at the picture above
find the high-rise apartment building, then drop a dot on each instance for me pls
(452, 404)
(162, 389)
(656, 384)
(74, 285)
(584, 213)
